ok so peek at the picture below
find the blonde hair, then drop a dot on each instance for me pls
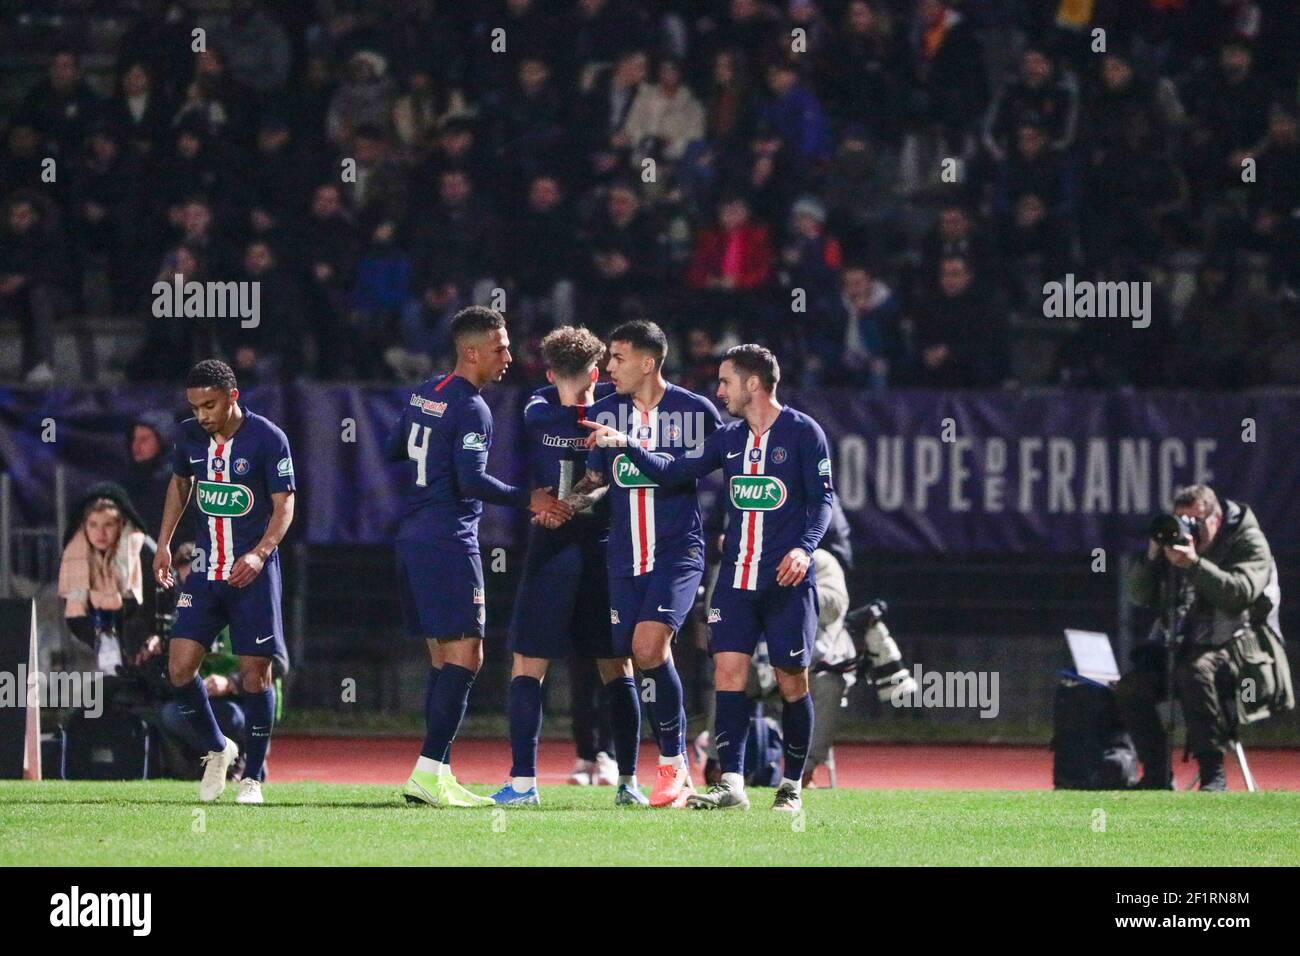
(102, 565)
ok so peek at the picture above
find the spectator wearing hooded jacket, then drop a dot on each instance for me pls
(862, 344)
(795, 112)
(148, 470)
(364, 98)
(109, 600)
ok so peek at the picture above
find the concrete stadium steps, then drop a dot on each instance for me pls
(114, 340)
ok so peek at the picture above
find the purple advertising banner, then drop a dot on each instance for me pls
(916, 471)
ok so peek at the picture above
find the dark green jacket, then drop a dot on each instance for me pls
(1235, 582)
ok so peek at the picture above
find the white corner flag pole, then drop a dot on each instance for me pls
(32, 748)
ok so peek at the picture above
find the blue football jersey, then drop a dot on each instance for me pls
(233, 483)
(443, 434)
(649, 525)
(557, 459)
(778, 491)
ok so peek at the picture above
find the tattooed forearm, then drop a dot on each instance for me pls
(590, 489)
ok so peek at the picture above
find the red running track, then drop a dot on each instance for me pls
(872, 766)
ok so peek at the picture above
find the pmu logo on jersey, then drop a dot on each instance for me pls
(428, 405)
(628, 475)
(221, 499)
(757, 492)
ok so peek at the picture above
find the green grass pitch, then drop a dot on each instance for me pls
(160, 823)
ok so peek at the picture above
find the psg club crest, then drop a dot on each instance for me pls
(673, 433)
(778, 455)
(241, 466)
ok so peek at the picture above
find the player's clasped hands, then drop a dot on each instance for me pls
(548, 510)
(793, 567)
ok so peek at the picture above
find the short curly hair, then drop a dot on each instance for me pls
(212, 373)
(571, 350)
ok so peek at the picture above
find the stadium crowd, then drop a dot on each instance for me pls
(877, 189)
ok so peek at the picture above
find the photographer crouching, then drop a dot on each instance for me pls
(1209, 571)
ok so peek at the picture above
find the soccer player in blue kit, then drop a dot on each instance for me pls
(656, 543)
(562, 607)
(778, 470)
(239, 468)
(443, 435)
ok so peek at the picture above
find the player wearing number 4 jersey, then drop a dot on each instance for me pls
(238, 466)
(443, 435)
(778, 472)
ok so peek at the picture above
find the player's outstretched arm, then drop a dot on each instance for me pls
(666, 472)
(470, 456)
(248, 567)
(178, 496)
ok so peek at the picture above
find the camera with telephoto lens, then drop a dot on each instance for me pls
(1168, 530)
(860, 618)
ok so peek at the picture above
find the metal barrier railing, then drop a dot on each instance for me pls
(31, 554)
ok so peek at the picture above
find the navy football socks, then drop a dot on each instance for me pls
(430, 683)
(192, 699)
(525, 705)
(666, 708)
(445, 710)
(624, 709)
(731, 729)
(796, 727)
(259, 711)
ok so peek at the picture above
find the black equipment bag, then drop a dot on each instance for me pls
(112, 746)
(1091, 749)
